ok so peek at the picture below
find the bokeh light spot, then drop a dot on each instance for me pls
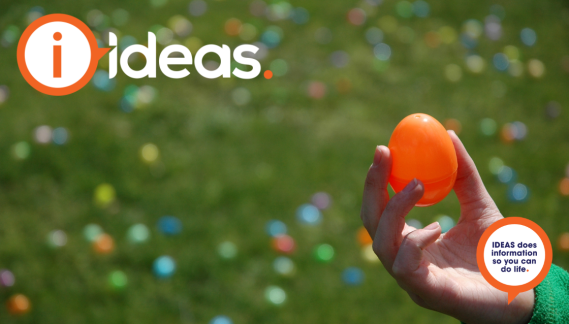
(275, 295)
(149, 153)
(164, 267)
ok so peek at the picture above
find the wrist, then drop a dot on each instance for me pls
(521, 309)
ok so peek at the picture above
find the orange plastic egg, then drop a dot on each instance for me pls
(363, 237)
(104, 244)
(563, 242)
(421, 148)
(18, 304)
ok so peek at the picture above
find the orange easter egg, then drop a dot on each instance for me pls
(563, 242)
(284, 244)
(18, 304)
(104, 244)
(363, 237)
(421, 148)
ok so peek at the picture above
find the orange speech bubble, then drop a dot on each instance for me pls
(44, 48)
(513, 290)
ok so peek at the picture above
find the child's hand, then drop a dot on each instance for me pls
(439, 271)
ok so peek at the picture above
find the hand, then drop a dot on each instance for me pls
(439, 271)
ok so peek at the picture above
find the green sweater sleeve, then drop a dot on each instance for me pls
(552, 298)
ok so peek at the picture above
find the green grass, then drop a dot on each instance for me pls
(229, 169)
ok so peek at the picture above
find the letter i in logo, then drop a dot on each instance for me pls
(47, 73)
(57, 56)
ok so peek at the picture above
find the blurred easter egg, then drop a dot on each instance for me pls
(4, 93)
(59, 135)
(324, 253)
(309, 215)
(164, 267)
(488, 126)
(197, 7)
(552, 109)
(57, 238)
(321, 200)
(92, 232)
(300, 16)
(344, 85)
(564, 187)
(454, 125)
(21, 150)
(233, 27)
(422, 149)
(536, 68)
(518, 193)
(284, 266)
(283, 244)
(7, 278)
(149, 153)
(18, 304)
(363, 237)
(169, 225)
(445, 222)
(104, 195)
(221, 319)
(353, 276)
(507, 175)
(432, 39)
(104, 244)
(414, 223)
(275, 295)
(102, 82)
(138, 233)
(275, 228)
(528, 36)
(316, 90)
(369, 255)
(563, 242)
(356, 16)
(118, 280)
(227, 250)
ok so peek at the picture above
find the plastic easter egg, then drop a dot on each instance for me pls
(118, 280)
(283, 244)
(7, 278)
(164, 267)
(104, 244)
(563, 242)
(353, 276)
(363, 237)
(422, 149)
(18, 304)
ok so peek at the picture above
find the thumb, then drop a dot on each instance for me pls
(410, 253)
(469, 188)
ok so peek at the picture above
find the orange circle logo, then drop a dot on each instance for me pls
(58, 54)
(514, 255)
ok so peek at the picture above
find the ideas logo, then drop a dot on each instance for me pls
(58, 55)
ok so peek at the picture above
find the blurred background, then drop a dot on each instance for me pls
(237, 201)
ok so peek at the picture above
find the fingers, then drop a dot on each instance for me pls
(375, 195)
(410, 253)
(469, 187)
(388, 236)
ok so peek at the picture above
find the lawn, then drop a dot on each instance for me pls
(229, 155)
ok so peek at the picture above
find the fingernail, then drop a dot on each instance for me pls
(452, 131)
(410, 186)
(433, 226)
(377, 155)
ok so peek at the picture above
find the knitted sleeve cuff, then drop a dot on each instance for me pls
(552, 298)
